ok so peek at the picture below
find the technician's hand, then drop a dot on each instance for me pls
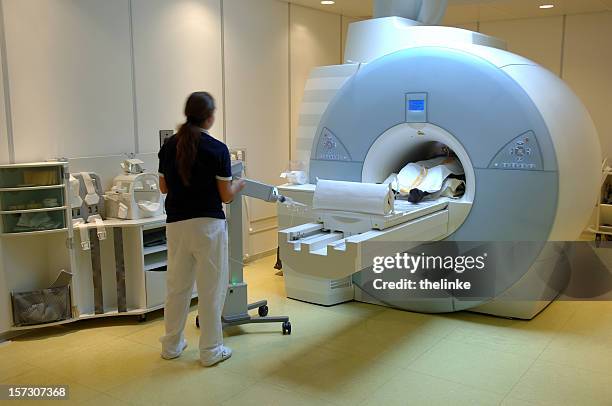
(239, 184)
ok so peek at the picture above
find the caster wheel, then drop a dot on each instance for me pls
(198, 321)
(142, 318)
(286, 328)
(263, 311)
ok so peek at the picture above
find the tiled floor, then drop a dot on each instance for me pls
(350, 354)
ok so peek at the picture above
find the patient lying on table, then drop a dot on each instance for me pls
(429, 180)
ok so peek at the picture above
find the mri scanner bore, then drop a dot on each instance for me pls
(518, 141)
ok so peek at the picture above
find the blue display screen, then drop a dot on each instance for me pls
(416, 105)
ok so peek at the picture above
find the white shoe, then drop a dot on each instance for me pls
(224, 354)
(168, 356)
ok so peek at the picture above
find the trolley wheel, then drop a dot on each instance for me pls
(263, 311)
(198, 321)
(142, 318)
(287, 328)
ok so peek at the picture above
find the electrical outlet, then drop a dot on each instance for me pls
(164, 135)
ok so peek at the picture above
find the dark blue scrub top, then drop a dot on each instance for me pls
(201, 198)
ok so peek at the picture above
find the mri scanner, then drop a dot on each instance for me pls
(407, 92)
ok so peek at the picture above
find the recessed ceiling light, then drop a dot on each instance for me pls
(545, 6)
(328, 2)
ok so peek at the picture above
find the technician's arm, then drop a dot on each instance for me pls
(162, 185)
(229, 189)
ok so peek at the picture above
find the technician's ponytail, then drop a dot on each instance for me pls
(200, 107)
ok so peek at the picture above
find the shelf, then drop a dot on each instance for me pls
(132, 312)
(116, 313)
(156, 260)
(155, 222)
(600, 231)
(31, 188)
(34, 164)
(43, 325)
(43, 210)
(155, 249)
(155, 265)
(34, 195)
(26, 233)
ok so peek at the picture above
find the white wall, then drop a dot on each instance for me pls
(468, 26)
(539, 39)
(177, 50)
(257, 100)
(315, 41)
(587, 67)
(4, 148)
(580, 51)
(69, 66)
(102, 77)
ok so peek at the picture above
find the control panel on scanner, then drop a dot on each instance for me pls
(522, 153)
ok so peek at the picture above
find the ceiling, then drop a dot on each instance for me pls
(464, 11)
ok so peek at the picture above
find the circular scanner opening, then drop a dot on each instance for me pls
(409, 143)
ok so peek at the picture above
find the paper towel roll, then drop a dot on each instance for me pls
(368, 198)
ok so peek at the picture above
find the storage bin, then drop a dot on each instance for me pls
(34, 221)
(30, 177)
(32, 199)
(41, 306)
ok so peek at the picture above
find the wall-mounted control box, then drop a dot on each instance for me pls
(238, 154)
(164, 135)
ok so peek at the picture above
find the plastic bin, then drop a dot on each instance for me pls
(30, 177)
(32, 199)
(41, 306)
(35, 221)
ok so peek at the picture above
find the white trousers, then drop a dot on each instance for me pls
(197, 251)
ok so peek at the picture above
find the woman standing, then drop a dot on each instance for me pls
(195, 172)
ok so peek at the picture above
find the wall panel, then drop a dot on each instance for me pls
(539, 39)
(315, 41)
(4, 147)
(588, 66)
(177, 50)
(69, 65)
(257, 94)
(467, 26)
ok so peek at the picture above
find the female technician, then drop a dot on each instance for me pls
(195, 172)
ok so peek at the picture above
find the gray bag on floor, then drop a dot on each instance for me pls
(41, 306)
